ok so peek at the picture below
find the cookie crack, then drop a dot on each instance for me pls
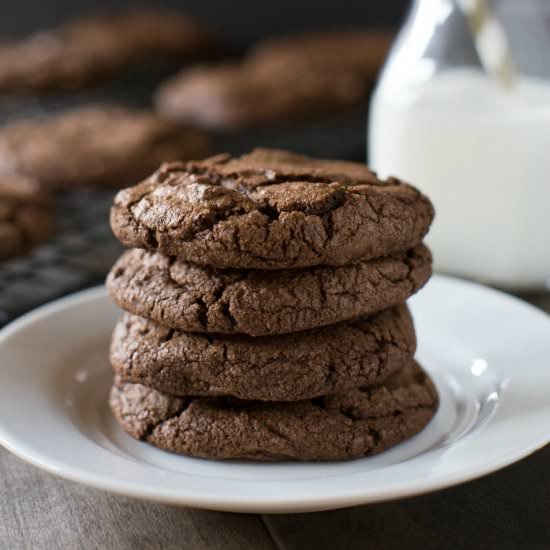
(148, 432)
(266, 178)
(274, 431)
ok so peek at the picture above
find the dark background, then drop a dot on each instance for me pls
(242, 20)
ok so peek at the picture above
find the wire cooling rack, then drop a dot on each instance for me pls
(83, 249)
(79, 255)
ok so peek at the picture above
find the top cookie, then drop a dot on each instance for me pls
(270, 209)
(95, 145)
(285, 79)
(83, 50)
(26, 216)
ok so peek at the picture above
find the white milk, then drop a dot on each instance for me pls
(482, 155)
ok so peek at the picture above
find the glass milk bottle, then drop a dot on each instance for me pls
(479, 149)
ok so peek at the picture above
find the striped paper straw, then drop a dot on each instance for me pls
(490, 41)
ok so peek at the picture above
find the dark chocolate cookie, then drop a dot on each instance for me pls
(26, 215)
(273, 368)
(96, 145)
(89, 48)
(282, 80)
(357, 423)
(270, 209)
(201, 299)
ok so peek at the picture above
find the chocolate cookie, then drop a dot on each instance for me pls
(96, 145)
(287, 79)
(270, 209)
(26, 217)
(89, 48)
(276, 368)
(201, 299)
(357, 423)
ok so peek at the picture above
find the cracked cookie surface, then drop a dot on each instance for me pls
(274, 368)
(270, 209)
(95, 145)
(339, 427)
(26, 215)
(193, 298)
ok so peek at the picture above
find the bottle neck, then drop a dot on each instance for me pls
(442, 24)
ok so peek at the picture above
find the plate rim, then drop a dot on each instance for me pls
(245, 503)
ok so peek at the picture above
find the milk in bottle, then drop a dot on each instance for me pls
(479, 151)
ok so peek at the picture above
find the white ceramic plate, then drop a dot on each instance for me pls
(488, 353)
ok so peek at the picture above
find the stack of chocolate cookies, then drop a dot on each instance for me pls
(266, 317)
